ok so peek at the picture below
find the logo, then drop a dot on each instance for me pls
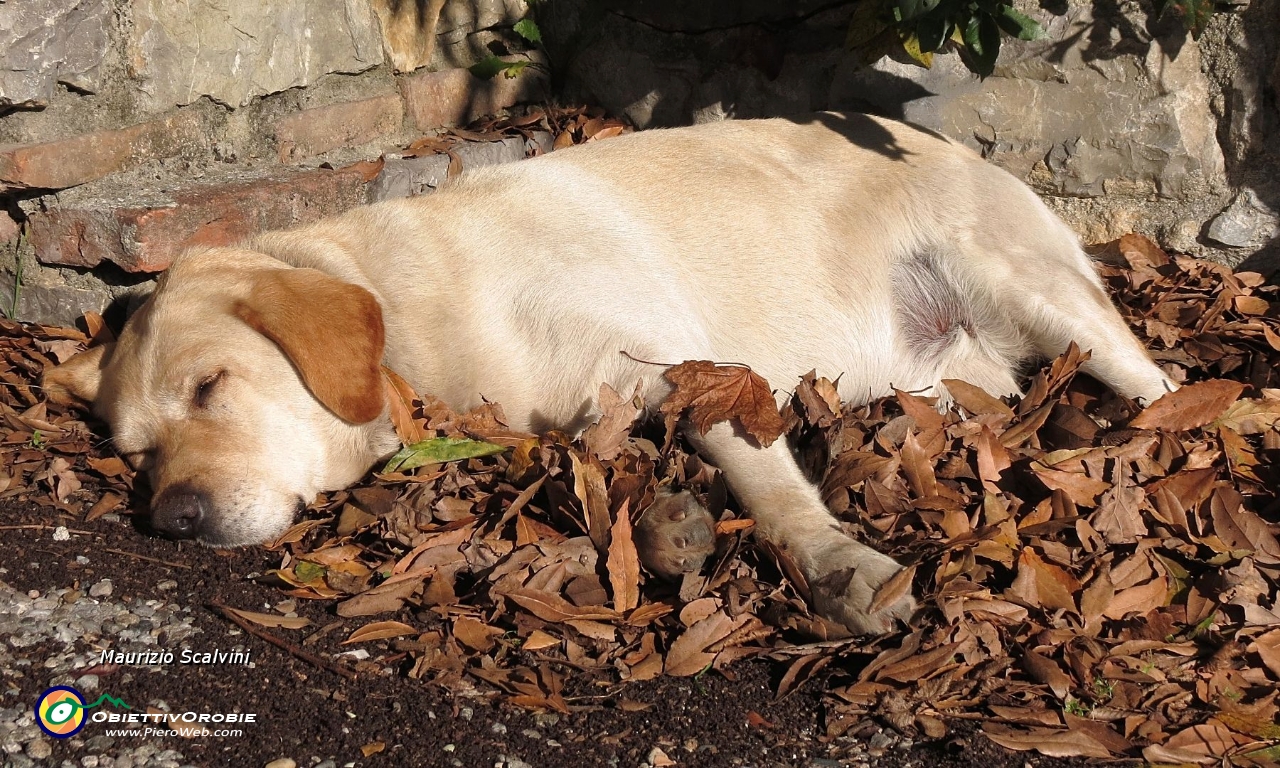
(60, 710)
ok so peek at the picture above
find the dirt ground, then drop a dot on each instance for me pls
(310, 715)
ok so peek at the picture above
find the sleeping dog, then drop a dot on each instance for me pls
(859, 247)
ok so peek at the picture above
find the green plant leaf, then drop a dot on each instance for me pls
(527, 29)
(932, 32)
(865, 26)
(1195, 13)
(514, 68)
(1019, 25)
(308, 571)
(438, 450)
(982, 43)
(488, 68)
(911, 9)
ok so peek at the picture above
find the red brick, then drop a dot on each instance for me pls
(146, 238)
(456, 97)
(78, 159)
(318, 130)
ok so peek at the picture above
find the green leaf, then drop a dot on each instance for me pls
(515, 68)
(306, 571)
(438, 450)
(527, 29)
(1195, 13)
(910, 9)
(932, 32)
(1019, 25)
(982, 41)
(488, 68)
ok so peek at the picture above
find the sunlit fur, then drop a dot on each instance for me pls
(831, 243)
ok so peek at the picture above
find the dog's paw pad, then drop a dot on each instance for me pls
(675, 535)
(847, 591)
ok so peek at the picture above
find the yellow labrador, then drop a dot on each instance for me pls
(859, 247)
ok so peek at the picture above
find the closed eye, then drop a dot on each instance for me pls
(140, 461)
(204, 390)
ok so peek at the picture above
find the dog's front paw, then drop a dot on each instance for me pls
(845, 584)
(675, 535)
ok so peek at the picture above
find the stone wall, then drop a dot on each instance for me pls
(1120, 121)
(131, 128)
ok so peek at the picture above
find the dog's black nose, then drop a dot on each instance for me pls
(178, 512)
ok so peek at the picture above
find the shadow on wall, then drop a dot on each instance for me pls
(1111, 140)
(1253, 127)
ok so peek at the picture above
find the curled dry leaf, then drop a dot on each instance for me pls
(712, 393)
(1194, 405)
(623, 563)
(1107, 582)
(272, 620)
(379, 630)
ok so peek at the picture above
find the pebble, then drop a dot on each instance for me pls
(71, 628)
(283, 762)
(61, 533)
(498, 728)
(167, 584)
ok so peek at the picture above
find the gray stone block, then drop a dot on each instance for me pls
(44, 42)
(1070, 123)
(412, 176)
(234, 50)
(1246, 222)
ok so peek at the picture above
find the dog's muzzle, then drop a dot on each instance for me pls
(179, 512)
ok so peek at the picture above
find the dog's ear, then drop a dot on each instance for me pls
(332, 332)
(77, 380)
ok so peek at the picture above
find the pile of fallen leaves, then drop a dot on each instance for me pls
(1097, 580)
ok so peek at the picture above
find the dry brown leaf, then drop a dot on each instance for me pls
(623, 563)
(606, 436)
(272, 620)
(589, 487)
(1195, 405)
(976, 400)
(1053, 742)
(1039, 582)
(1047, 671)
(554, 608)
(384, 598)
(539, 641)
(380, 630)
(713, 393)
(400, 398)
(109, 501)
(896, 587)
(687, 655)
(475, 634)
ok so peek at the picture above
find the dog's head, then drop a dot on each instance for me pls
(243, 387)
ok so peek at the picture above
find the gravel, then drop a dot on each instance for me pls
(58, 634)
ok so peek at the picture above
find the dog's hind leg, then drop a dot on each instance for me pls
(843, 574)
(1065, 302)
